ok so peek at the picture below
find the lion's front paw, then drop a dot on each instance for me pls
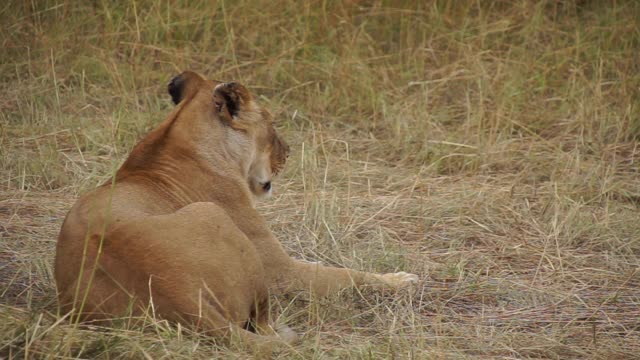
(399, 280)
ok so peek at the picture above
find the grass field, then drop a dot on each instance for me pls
(489, 146)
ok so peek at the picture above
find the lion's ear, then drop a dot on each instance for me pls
(229, 99)
(184, 85)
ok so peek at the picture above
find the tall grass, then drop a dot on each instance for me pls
(489, 146)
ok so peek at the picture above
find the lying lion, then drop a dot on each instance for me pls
(176, 234)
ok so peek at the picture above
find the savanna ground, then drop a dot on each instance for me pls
(488, 146)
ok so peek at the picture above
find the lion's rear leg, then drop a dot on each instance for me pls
(194, 271)
(94, 297)
(207, 319)
(262, 324)
(107, 301)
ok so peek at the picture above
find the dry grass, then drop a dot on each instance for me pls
(490, 147)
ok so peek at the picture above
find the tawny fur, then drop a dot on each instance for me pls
(176, 233)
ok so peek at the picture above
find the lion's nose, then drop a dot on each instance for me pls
(266, 186)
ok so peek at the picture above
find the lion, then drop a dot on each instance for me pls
(176, 234)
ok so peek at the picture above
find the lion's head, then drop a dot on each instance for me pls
(228, 122)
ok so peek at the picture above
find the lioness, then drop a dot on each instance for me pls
(176, 234)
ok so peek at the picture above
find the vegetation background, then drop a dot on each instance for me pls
(489, 146)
